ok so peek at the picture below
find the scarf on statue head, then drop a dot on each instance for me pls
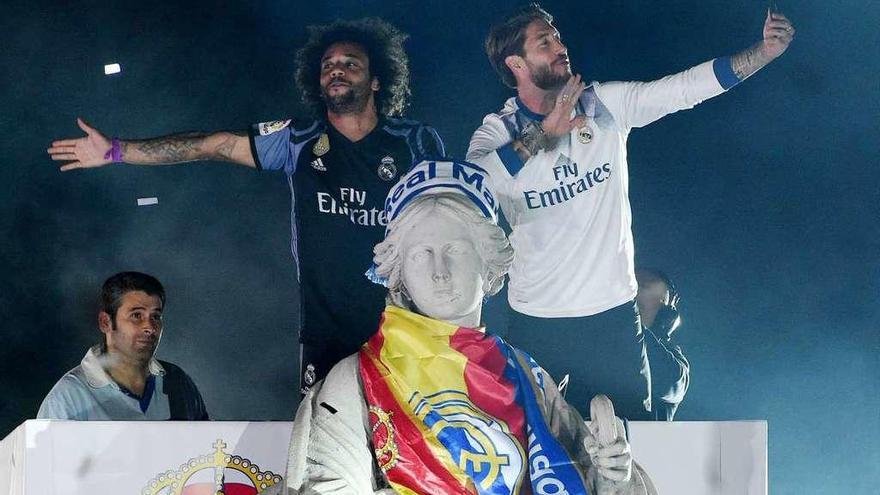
(456, 411)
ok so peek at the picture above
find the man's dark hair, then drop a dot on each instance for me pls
(387, 58)
(652, 276)
(118, 285)
(508, 37)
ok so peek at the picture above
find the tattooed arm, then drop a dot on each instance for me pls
(92, 150)
(778, 33)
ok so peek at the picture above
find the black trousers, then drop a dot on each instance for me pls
(602, 354)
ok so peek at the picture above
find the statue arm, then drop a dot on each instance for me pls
(330, 449)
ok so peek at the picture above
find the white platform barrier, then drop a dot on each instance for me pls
(179, 458)
(703, 458)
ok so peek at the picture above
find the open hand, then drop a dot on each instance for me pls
(85, 152)
(559, 122)
(778, 33)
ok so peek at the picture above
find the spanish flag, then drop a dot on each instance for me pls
(456, 411)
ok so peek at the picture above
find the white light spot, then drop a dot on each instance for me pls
(112, 69)
(148, 201)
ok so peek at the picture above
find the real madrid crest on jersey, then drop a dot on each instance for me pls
(309, 376)
(387, 169)
(585, 134)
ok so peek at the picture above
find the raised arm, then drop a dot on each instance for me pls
(636, 104)
(95, 150)
(778, 33)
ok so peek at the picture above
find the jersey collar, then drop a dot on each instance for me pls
(528, 113)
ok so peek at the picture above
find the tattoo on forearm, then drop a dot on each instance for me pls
(748, 61)
(170, 149)
(224, 151)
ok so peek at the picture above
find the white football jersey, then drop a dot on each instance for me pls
(569, 206)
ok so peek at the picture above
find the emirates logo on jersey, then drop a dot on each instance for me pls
(572, 182)
(351, 203)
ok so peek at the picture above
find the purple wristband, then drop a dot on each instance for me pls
(114, 154)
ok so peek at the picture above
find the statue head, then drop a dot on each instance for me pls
(443, 250)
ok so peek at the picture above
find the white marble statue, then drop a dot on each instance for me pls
(433, 403)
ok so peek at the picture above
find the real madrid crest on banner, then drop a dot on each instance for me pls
(387, 169)
(585, 134)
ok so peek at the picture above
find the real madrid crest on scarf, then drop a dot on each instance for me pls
(387, 169)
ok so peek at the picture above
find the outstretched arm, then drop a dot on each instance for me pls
(637, 104)
(95, 150)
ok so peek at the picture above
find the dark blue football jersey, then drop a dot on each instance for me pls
(338, 189)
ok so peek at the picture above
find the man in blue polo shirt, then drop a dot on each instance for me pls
(119, 379)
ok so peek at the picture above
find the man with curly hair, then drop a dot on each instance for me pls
(340, 164)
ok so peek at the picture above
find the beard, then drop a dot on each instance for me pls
(352, 101)
(545, 78)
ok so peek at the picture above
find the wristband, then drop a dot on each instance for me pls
(114, 154)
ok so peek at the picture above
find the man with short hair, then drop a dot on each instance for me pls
(556, 153)
(119, 379)
(339, 165)
(658, 300)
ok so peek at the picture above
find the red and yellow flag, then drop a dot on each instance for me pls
(443, 412)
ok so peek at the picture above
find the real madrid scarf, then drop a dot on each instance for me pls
(456, 411)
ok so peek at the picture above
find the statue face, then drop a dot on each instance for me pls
(442, 270)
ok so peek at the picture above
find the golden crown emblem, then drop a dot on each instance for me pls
(386, 450)
(173, 481)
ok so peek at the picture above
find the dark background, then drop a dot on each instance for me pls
(762, 204)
